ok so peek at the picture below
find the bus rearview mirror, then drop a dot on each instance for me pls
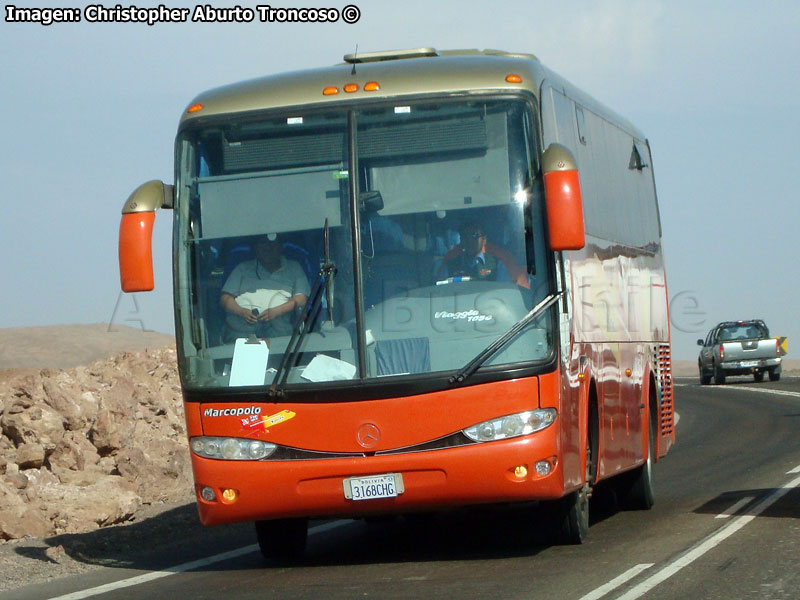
(136, 235)
(563, 199)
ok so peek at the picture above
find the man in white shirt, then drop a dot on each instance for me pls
(261, 294)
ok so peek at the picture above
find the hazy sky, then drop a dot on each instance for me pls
(90, 111)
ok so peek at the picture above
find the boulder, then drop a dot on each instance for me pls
(23, 521)
(75, 452)
(30, 455)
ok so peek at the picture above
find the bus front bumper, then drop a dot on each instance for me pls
(493, 472)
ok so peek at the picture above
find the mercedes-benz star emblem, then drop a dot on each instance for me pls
(368, 435)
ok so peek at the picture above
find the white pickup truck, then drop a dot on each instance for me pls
(739, 348)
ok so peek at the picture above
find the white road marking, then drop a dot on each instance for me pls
(759, 390)
(195, 564)
(733, 509)
(616, 582)
(709, 543)
(793, 471)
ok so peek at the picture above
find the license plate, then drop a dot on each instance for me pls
(373, 487)
(749, 363)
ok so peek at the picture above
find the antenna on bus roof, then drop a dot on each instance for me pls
(353, 70)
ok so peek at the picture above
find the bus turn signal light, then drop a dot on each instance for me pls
(512, 78)
(194, 108)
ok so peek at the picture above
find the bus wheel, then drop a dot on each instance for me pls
(572, 517)
(282, 540)
(636, 487)
(571, 513)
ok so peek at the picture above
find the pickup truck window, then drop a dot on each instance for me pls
(749, 331)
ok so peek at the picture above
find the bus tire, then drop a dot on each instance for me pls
(282, 540)
(571, 513)
(571, 518)
(636, 487)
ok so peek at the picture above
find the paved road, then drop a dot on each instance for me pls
(726, 525)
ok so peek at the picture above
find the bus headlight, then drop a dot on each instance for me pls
(512, 426)
(226, 448)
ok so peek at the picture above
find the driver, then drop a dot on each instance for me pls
(475, 257)
(261, 294)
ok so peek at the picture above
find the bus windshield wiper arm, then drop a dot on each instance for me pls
(310, 311)
(504, 339)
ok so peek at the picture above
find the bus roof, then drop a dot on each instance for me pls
(399, 73)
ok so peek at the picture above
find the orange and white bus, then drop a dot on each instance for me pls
(465, 301)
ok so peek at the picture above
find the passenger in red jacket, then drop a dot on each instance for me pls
(476, 258)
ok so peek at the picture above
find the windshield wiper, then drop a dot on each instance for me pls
(504, 339)
(310, 311)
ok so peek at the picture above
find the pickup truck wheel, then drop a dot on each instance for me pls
(719, 375)
(758, 376)
(705, 378)
(775, 374)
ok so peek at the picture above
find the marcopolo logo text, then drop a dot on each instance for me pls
(232, 412)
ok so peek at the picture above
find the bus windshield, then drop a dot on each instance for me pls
(440, 252)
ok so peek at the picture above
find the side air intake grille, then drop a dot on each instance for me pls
(663, 359)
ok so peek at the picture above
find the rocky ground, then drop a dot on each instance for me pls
(85, 448)
(30, 560)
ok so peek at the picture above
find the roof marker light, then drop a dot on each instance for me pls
(194, 108)
(351, 87)
(512, 78)
(331, 90)
(372, 86)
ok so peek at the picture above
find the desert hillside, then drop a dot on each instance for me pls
(64, 346)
